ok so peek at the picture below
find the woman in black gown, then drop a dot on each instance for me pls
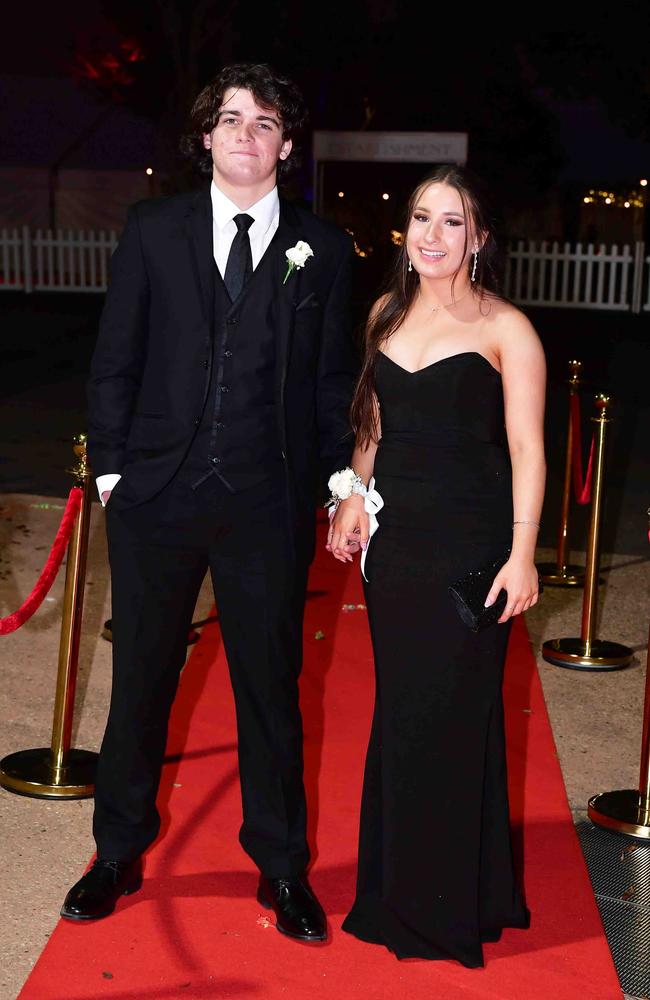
(448, 415)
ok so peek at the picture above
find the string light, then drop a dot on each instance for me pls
(357, 249)
(629, 199)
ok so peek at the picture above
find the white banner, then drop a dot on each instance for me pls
(391, 147)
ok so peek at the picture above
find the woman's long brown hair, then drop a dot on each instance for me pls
(402, 286)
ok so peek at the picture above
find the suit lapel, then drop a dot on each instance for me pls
(286, 293)
(200, 238)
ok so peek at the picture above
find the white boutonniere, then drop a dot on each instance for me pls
(297, 257)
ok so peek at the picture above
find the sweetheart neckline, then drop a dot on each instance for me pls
(450, 357)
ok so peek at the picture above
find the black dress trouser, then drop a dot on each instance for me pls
(159, 553)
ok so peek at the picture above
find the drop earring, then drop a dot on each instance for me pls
(410, 267)
(473, 278)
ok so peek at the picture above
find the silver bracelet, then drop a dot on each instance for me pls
(536, 523)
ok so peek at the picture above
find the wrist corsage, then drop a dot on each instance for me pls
(343, 484)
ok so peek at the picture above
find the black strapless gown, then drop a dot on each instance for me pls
(435, 876)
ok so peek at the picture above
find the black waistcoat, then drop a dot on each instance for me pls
(238, 439)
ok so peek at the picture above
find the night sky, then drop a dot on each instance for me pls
(593, 146)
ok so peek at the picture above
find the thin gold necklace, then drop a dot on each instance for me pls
(445, 305)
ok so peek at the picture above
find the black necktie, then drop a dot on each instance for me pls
(240, 260)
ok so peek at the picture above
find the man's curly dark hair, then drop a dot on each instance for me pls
(270, 90)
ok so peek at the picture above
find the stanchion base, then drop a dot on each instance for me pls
(568, 576)
(576, 654)
(30, 772)
(622, 811)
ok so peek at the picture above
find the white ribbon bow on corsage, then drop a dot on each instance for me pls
(372, 503)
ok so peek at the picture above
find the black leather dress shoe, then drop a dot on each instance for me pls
(96, 893)
(297, 911)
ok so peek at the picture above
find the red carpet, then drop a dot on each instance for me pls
(195, 930)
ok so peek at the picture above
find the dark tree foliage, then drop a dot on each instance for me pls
(179, 46)
(361, 64)
(605, 58)
(383, 65)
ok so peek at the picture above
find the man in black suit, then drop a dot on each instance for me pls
(218, 403)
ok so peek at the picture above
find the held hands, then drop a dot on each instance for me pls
(348, 531)
(520, 579)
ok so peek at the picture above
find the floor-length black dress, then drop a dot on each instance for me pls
(435, 875)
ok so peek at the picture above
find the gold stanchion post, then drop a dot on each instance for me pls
(560, 573)
(58, 771)
(627, 810)
(586, 652)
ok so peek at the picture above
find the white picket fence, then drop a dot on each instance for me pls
(591, 276)
(62, 261)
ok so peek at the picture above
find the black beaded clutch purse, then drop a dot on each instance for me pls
(470, 591)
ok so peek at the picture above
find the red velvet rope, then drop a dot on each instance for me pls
(51, 568)
(581, 489)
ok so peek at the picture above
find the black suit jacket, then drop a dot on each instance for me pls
(151, 366)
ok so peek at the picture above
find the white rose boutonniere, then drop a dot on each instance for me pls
(297, 256)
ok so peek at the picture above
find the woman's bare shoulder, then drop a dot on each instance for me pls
(507, 321)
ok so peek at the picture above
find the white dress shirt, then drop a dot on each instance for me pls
(266, 216)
